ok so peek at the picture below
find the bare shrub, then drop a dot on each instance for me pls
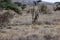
(28, 11)
(44, 9)
(32, 37)
(50, 37)
(5, 19)
(47, 37)
(32, 10)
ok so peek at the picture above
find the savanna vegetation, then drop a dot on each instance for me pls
(21, 21)
(14, 6)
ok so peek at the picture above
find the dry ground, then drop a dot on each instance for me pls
(47, 27)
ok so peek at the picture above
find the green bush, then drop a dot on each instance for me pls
(3, 5)
(9, 5)
(57, 6)
(58, 3)
(18, 3)
(8, 1)
(23, 6)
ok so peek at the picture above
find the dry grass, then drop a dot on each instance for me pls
(49, 26)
